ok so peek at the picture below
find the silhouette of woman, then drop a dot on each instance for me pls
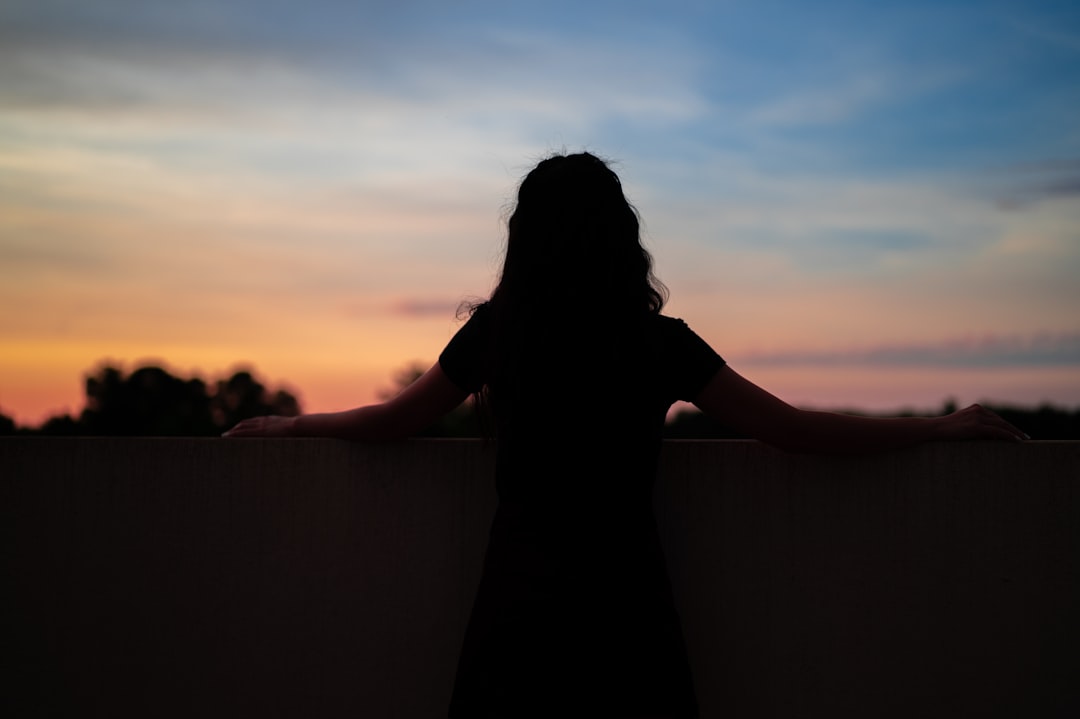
(574, 614)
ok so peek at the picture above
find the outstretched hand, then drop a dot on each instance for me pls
(977, 422)
(268, 426)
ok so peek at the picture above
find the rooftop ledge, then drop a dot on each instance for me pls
(317, 578)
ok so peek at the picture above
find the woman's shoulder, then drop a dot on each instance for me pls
(666, 323)
(674, 333)
(664, 332)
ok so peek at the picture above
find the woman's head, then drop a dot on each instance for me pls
(574, 237)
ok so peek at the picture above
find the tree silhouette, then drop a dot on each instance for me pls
(152, 402)
(148, 402)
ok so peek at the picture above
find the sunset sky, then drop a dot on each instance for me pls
(868, 205)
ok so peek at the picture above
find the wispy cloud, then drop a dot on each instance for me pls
(1033, 350)
(232, 58)
(405, 308)
(425, 308)
(1030, 183)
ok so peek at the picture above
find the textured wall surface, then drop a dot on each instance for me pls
(200, 577)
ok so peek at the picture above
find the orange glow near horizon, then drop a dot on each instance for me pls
(335, 377)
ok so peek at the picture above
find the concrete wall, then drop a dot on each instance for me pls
(188, 577)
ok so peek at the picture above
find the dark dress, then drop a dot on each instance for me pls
(574, 614)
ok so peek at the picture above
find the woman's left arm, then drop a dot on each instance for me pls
(743, 406)
(413, 409)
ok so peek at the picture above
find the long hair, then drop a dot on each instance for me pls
(574, 242)
(574, 271)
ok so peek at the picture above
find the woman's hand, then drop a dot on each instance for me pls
(269, 426)
(977, 422)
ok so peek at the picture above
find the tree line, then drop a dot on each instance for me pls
(152, 402)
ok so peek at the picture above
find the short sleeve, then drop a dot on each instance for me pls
(462, 359)
(692, 362)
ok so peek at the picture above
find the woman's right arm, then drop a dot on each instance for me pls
(413, 409)
(743, 406)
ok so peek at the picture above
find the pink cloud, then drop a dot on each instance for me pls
(1015, 350)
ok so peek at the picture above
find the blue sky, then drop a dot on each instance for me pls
(866, 189)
